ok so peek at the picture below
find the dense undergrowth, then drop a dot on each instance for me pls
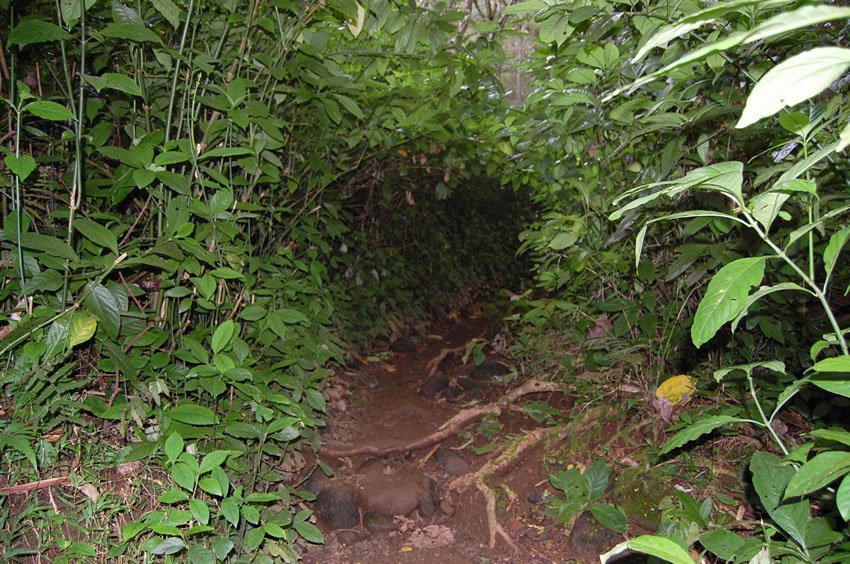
(208, 203)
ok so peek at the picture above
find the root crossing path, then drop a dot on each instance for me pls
(435, 460)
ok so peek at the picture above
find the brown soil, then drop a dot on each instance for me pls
(381, 406)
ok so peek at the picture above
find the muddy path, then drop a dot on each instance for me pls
(391, 504)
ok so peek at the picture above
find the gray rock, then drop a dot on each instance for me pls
(453, 463)
(589, 539)
(379, 523)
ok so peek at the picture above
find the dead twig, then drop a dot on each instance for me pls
(39, 485)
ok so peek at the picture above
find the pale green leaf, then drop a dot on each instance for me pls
(818, 472)
(47, 244)
(834, 434)
(171, 545)
(770, 477)
(657, 546)
(23, 166)
(81, 329)
(525, 7)
(766, 206)
(136, 32)
(833, 248)
(173, 447)
(36, 31)
(48, 110)
(793, 81)
(192, 414)
(842, 498)
(726, 296)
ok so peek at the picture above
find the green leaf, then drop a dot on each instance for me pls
(199, 554)
(82, 328)
(309, 532)
(762, 292)
(698, 429)
(230, 510)
(793, 81)
(173, 447)
(192, 414)
(222, 152)
(525, 7)
(596, 479)
(833, 248)
(611, 517)
(200, 511)
(834, 434)
(50, 245)
(50, 111)
(793, 519)
(722, 543)
(132, 529)
(818, 472)
(171, 545)
(654, 545)
(770, 477)
(36, 31)
(131, 32)
(22, 166)
(223, 335)
(114, 81)
(105, 307)
(842, 498)
(173, 496)
(183, 476)
(214, 459)
(839, 384)
(169, 11)
(289, 315)
(97, 233)
(350, 105)
(726, 296)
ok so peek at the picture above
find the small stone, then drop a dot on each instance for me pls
(428, 501)
(447, 508)
(434, 384)
(534, 497)
(336, 506)
(378, 522)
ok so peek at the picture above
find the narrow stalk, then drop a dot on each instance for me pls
(764, 417)
(177, 70)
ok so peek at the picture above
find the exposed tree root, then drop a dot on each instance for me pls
(434, 364)
(499, 464)
(450, 427)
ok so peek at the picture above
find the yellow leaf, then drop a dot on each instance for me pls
(677, 390)
(82, 328)
(406, 549)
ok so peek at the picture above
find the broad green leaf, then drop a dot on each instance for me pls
(611, 517)
(793, 81)
(766, 206)
(215, 458)
(105, 307)
(223, 152)
(22, 166)
(48, 110)
(726, 297)
(50, 245)
(72, 10)
(36, 31)
(698, 429)
(230, 510)
(132, 529)
(833, 249)
(200, 511)
(556, 28)
(350, 105)
(173, 447)
(289, 315)
(722, 543)
(818, 472)
(654, 545)
(192, 414)
(837, 386)
(198, 553)
(226, 273)
(223, 335)
(762, 292)
(136, 32)
(97, 233)
(169, 11)
(114, 81)
(183, 476)
(81, 329)
(525, 7)
(596, 479)
(793, 519)
(834, 434)
(171, 545)
(770, 477)
(309, 532)
(842, 498)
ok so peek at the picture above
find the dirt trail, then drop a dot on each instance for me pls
(399, 507)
